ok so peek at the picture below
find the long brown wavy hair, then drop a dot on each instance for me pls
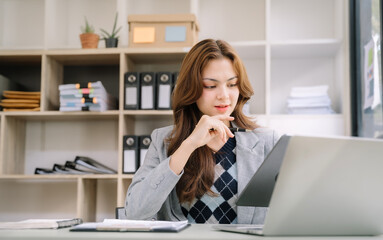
(198, 174)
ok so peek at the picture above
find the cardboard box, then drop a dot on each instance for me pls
(163, 30)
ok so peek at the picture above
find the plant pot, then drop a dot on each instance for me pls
(89, 40)
(111, 42)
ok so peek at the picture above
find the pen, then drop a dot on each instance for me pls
(233, 130)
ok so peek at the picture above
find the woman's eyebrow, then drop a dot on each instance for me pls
(215, 80)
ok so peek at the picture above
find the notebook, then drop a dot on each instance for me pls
(41, 223)
(327, 186)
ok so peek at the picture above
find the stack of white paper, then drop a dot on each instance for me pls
(93, 98)
(124, 225)
(309, 100)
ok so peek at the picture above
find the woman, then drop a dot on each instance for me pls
(195, 169)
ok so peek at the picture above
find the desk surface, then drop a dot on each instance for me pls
(196, 231)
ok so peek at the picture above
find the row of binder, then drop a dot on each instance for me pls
(149, 90)
(80, 165)
(135, 149)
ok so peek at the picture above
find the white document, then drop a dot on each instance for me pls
(377, 95)
(131, 96)
(129, 161)
(40, 223)
(164, 96)
(122, 225)
(368, 74)
(142, 155)
(147, 97)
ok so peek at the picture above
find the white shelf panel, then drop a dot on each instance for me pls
(250, 49)
(232, 21)
(304, 19)
(305, 48)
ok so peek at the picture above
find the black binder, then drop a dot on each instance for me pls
(145, 141)
(164, 90)
(148, 90)
(83, 162)
(132, 90)
(43, 171)
(130, 155)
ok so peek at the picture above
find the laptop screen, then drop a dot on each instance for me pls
(258, 191)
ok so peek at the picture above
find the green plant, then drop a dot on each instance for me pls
(88, 28)
(114, 32)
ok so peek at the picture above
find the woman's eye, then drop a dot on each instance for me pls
(232, 85)
(209, 87)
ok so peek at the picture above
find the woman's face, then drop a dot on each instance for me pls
(220, 91)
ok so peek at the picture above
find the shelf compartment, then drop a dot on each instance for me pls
(80, 67)
(145, 124)
(28, 17)
(37, 198)
(42, 143)
(304, 19)
(248, 23)
(22, 69)
(167, 59)
(305, 71)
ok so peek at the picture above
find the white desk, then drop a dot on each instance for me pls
(197, 231)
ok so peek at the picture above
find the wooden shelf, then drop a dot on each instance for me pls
(57, 115)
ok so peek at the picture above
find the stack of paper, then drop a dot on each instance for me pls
(93, 97)
(119, 225)
(41, 223)
(309, 100)
(20, 101)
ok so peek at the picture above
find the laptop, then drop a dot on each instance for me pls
(326, 186)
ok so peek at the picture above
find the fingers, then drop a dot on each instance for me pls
(218, 126)
(223, 117)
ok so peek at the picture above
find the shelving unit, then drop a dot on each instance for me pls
(283, 43)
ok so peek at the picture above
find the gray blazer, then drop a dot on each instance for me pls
(152, 194)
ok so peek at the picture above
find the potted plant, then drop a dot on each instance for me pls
(88, 38)
(111, 39)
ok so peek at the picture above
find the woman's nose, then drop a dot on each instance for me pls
(223, 93)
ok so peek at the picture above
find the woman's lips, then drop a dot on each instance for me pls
(222, 108)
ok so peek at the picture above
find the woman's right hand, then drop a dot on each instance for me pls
(210, 129)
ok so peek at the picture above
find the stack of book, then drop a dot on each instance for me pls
(92, 97)
(80, 165)
(20, 101)
(309, 100)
